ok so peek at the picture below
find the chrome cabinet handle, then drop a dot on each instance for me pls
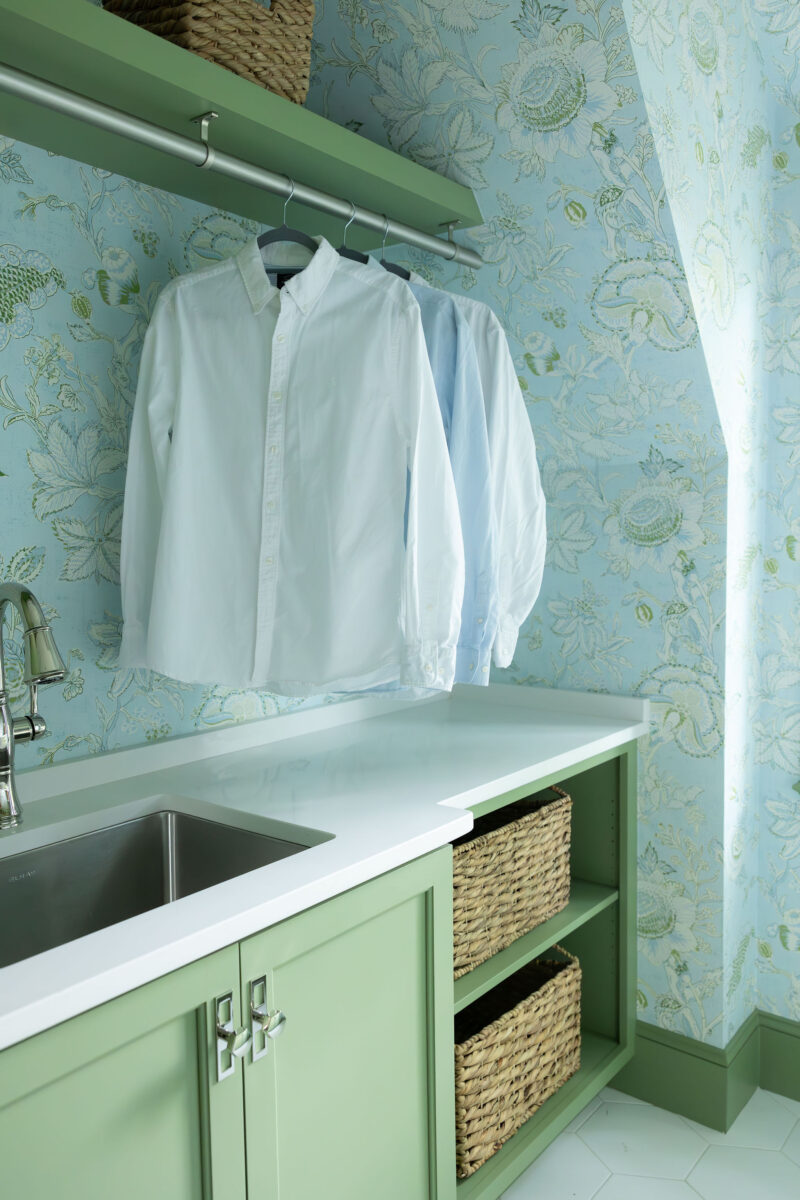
(264, 1023)
(236, 1041)
(272, 1023)
(232, 1043)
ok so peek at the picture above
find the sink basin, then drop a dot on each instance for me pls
(62, 891)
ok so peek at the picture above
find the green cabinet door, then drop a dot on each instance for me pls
(123, 1100)
(354, 1099)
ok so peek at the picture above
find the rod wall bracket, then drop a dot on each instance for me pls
(204, 120)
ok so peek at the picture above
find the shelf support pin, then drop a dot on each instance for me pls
(204, 120)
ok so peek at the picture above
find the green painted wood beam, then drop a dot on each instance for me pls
(79, 46)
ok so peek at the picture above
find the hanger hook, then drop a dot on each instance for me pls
(288, 198)
(349, 223)
(385, 234)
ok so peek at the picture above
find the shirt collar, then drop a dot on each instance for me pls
(305, 287)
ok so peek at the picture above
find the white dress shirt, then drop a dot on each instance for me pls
(518, 499)
(273, 436)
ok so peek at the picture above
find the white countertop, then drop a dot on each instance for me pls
(388, 780)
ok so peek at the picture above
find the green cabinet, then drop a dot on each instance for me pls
(122, 1100)
(346, 1104)
(354, 1099)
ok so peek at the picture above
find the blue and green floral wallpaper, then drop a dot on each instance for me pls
(539, 108)
(581, 164)
(83, 255)
(720, 78)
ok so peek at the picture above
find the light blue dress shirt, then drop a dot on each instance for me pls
(456, 374)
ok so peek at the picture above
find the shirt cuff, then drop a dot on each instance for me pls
(506, 642)
(429, 665)
(472, 664)
(133, 647)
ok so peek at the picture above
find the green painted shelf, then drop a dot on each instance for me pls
(77, 45)
(601, 1059)
(586, 901)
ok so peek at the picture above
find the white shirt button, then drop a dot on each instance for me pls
(273, 449)
(270, 505)
(472, 666)
(268, 561)
(277, 395)
(480, 620)
(281, 337)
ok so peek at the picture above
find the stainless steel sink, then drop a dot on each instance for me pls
(62, 891)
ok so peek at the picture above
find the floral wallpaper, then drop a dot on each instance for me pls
(721, 85)
(83, 255)
(539, 108)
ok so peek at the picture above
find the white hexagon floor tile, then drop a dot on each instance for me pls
(636, 1187)
(763, 1124)
(734, 1173)
(567, 1170)
(638, 1139)
(792, 1105)
(791, 1147)
(583, 1116)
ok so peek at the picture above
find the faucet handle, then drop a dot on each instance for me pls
(38, 727)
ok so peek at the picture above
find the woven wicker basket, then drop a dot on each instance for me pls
(515, 1047)
(270, 46)
(510, 873)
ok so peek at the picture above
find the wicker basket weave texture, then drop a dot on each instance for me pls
(515, 1047)
(269, 46)
(510, 874)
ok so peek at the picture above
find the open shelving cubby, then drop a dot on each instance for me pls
(597, 925)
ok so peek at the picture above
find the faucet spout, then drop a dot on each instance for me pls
(43, 664)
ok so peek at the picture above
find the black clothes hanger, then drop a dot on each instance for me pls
(395, 268)
(285, 234)
(344, 249)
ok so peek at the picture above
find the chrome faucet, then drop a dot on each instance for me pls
(43, 664)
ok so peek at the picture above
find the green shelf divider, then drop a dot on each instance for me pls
(586, 901)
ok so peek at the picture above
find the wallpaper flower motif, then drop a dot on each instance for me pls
(538, 106)
(83, 255)
(726, 88)
(584, 271)
(553, 95)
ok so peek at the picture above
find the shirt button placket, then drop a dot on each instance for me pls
(273, 479)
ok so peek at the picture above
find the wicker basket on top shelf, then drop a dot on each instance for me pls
(510, 873)
(269, 45)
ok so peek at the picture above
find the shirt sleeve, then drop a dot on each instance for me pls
(148, 460)
(518, 499)
(469, 456)
(433, 582)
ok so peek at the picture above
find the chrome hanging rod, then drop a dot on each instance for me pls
(72, 104)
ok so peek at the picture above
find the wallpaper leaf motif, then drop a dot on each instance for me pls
(82, 261)
(584, 271)
(726, 86)
(539, 108)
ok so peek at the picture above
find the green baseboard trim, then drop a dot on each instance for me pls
(780, 1055)
(708, 1084)
(704, 1083)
